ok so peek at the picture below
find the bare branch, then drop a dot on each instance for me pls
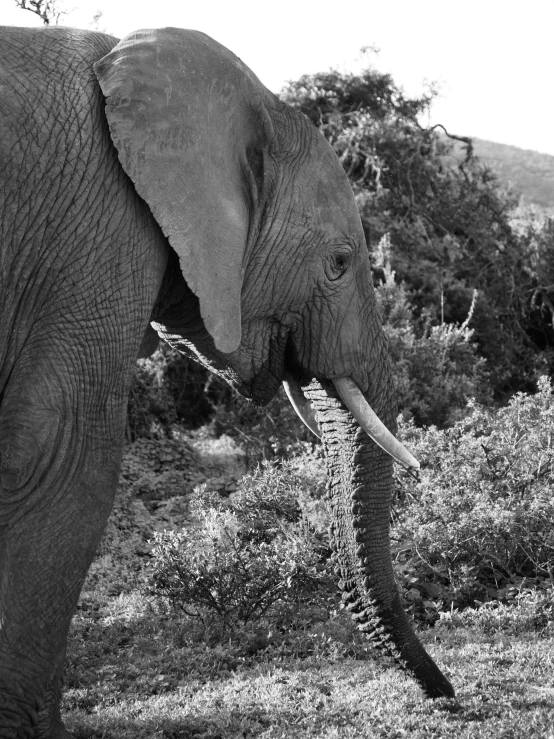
(464, 139)
(47, 10)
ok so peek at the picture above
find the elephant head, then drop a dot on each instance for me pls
(255, 203)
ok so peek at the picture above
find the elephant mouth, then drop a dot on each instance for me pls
(354, 400)
(293, 379)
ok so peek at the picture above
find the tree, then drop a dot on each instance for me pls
(47, 10)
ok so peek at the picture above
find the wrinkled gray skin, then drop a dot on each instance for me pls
(85, 267)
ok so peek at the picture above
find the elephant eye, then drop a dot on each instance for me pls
(338, 263)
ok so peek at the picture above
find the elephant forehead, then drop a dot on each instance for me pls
(322, 187)
(321, 184)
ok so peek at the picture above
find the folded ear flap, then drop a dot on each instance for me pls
(186, 117)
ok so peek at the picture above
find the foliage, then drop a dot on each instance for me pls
(524, 608)
(167, 388)
(267, 433)
(245, 556)
(536, 236)
(170, 390)
(138, 668)
(480, 521)
(436, 368)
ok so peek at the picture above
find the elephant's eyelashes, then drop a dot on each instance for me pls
(338, 262)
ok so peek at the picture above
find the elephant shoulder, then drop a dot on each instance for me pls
(30, 55)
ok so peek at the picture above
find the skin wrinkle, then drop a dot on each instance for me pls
(57, 155)
(104, 351)
(277, 201)
(264, 285)
(48, 254)
(282, 237)
(261, 284)
(318, 313)
(39, 470)
(75, 204)
(73, 232)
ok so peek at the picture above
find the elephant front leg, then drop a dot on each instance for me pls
(59, 459)
(49, 721)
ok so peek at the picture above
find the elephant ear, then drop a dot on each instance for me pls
(187, 118)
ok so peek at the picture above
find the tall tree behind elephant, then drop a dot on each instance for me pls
(157, 183)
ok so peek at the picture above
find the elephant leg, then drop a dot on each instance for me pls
(49, 723)
(61, 429)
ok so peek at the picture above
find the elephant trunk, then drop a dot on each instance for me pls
(359, 490)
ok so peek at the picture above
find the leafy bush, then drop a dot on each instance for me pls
(481, 518)
(170, 388)
(243, 556)
(150, 410)
(436, 368)
(524, 609)
(269, 433)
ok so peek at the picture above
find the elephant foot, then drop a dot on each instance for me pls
(49, 724)
(48, 729)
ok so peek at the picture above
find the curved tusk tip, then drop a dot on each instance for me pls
(301, 405)
(354, 400)
(403, 457)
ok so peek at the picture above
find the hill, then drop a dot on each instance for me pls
(530, 173)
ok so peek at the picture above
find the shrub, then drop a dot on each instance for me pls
(150, 410)
(524, 609)
(481, 517)
(269, 433)
(436, 368)
(170, 388)
(244, 556)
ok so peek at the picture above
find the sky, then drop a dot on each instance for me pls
(492, 60)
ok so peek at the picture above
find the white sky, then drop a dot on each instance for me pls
(493, 59)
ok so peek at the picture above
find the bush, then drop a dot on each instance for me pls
(269, 433)
(481, 518)
(170, 388)
(436, 369)
(150, 410)
(244, 556)
(524, 609)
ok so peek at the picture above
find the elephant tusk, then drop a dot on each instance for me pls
(353, 399)
(300, 404)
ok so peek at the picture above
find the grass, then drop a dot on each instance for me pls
(136, 669)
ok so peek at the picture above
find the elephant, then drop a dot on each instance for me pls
(153, 187)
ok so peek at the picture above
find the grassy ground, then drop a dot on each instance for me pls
(137, 670)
